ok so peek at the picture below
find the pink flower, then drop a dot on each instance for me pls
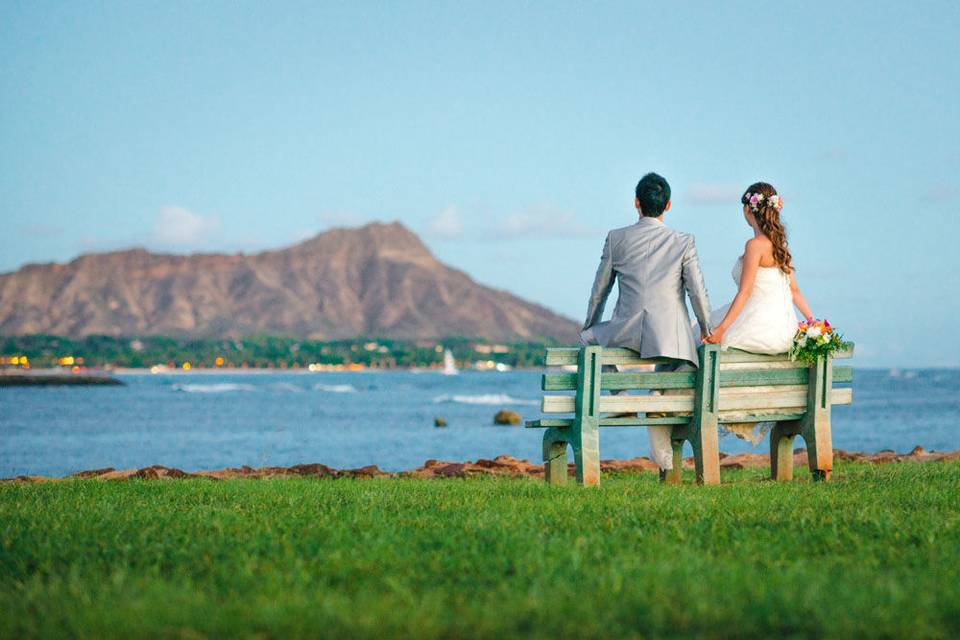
(754, 199)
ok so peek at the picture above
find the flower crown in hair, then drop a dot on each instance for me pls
(757, 200)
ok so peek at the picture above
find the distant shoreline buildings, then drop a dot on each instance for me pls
(167, 354)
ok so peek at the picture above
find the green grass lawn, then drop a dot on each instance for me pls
(875, 553)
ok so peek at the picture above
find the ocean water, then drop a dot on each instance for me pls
(205, 421)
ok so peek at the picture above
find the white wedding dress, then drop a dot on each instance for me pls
(768, 322)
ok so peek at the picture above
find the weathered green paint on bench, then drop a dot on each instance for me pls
(583, 435)
(702, 431)
(618, 381)
(686, 379)
(814, 427)
(581, 432)
(586, 429)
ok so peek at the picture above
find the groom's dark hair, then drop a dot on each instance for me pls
(653, 192)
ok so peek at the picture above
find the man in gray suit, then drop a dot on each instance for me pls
(656, 266)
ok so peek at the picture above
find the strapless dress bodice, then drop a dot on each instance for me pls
(768, 321)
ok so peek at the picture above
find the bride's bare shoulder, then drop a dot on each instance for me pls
(760, 248)
(758, 245)
(762, 242)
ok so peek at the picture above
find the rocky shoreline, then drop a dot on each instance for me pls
(500, 466)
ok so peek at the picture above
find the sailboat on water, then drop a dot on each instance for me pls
(449, 365)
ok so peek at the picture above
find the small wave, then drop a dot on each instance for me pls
(286, 386)
(489, 398)
(220, 387)
(335, 388)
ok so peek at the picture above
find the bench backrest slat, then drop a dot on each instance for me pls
(614, 381)
(738, 399)
(685, 379)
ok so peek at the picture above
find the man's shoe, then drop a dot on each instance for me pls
(668, 477)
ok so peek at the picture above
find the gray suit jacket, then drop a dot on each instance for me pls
(655, 265)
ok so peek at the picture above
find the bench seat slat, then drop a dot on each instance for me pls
(735, 399)
(756, 416)
(560, 356)
(613, 381)
(686, 379)
(676, 420)
(610, 422)
(773, 377)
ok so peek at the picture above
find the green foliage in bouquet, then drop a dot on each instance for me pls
(814, 340)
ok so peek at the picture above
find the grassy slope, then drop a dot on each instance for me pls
(875, 552)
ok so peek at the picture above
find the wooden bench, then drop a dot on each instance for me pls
(728, 386)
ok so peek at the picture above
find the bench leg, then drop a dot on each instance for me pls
(586, 426)
(816, 425)
(781, 451)
(819, 449)
(675, 475)
(704, 435)
(586, 455)
(555, 456)
(706, 455)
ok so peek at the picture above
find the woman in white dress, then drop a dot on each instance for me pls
(761, 318)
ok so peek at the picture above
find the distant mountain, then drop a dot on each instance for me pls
(377, 280)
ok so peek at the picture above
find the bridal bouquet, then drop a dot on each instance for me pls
(814, 339)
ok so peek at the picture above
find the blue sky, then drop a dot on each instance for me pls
(510, 136)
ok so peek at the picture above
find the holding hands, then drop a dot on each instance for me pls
(716, 336)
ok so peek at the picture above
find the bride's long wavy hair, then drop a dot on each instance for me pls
(768, 219)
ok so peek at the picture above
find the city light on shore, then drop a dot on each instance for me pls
(15, 361)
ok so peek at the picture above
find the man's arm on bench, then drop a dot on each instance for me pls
(602, 285)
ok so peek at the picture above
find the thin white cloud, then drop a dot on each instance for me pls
(705, 193)
(178, 227)
(447, 224)
(540, 221)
